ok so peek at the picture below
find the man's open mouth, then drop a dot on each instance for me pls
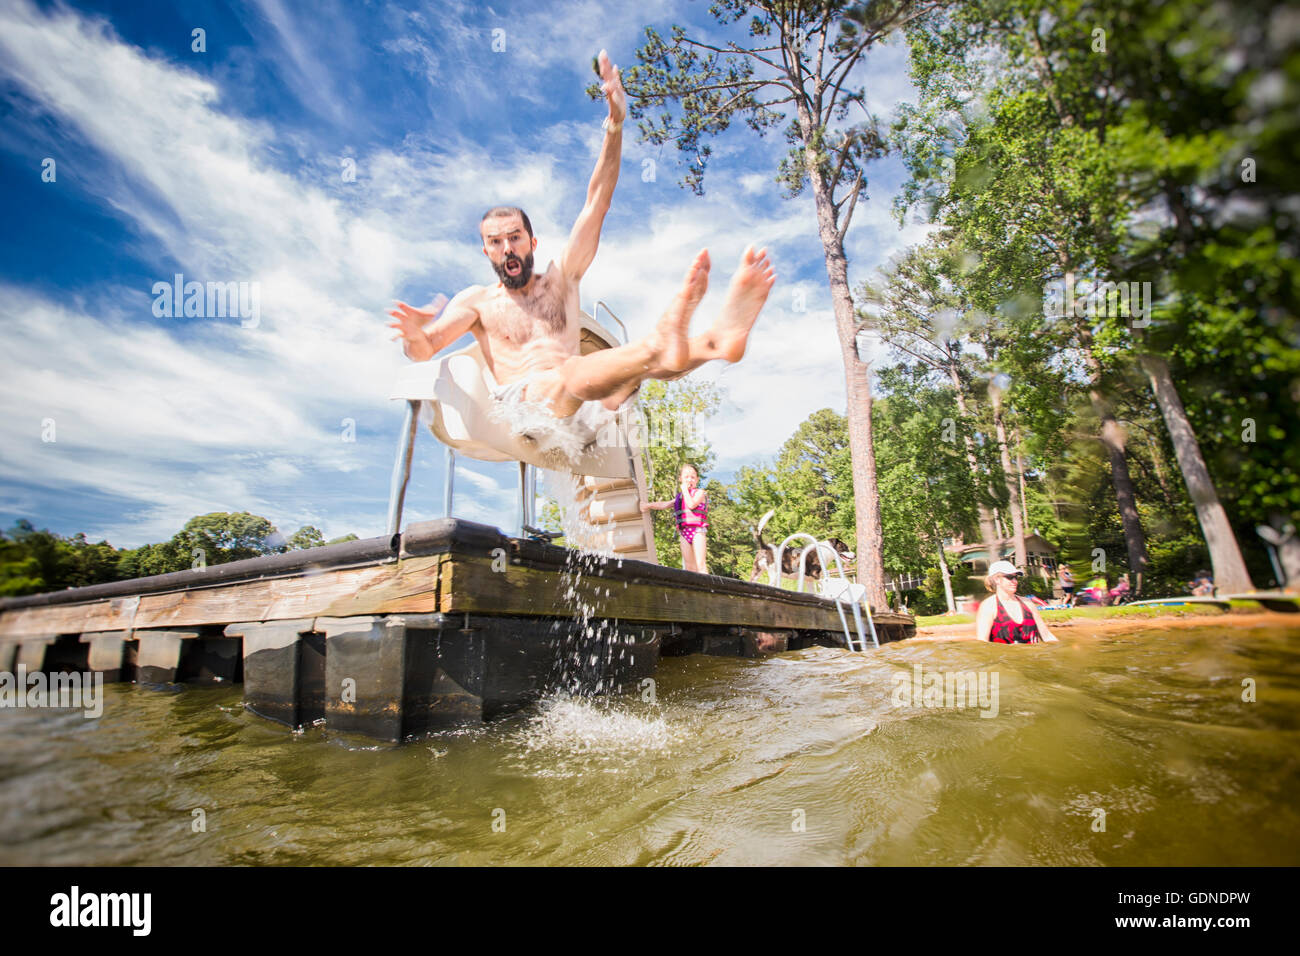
(514, 266)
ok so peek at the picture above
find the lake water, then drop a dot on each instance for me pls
(812, 757)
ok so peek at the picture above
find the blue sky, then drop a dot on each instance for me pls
(227, 165)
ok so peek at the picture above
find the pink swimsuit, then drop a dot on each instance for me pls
(687, 529)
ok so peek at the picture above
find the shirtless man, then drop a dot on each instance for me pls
(527, 324)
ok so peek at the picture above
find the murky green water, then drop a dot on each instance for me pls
(800, 759)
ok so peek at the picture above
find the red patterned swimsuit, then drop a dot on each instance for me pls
(1007, 631)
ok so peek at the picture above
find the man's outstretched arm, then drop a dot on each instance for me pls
(422, 340)
(585, 237)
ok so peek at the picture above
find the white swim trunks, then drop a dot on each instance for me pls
(570, 437)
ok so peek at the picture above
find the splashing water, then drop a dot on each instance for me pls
(560, 442)
(593, 654)
(582, 726)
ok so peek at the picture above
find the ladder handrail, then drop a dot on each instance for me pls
(774, 575)
(857, 614)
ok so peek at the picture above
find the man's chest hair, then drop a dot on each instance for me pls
(519, 317)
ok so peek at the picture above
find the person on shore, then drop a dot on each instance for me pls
(691, 510)
(1203, 584)
(1066, 577)
(1004, 617)
(528, 326)
(1120, 592)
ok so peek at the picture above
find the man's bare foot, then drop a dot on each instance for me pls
(671, 350)
(750, 286)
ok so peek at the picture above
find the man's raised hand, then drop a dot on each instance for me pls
(411, 322)
(611, 84)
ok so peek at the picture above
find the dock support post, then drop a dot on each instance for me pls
(365, 670)
(159, 657)
(110, 655)
(31, 652)
(284, 670)
(8, 656)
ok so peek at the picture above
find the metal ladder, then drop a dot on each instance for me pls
(822, 548)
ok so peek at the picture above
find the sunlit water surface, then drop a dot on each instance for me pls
(799, 759)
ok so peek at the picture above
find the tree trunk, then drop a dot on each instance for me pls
(1222, 543)
(1113, 438)
(1017, 521)
(862, 452)
(947, 579)
(1230, 574)
(988, 527)
(1020, 473)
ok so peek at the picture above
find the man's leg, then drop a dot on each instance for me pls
(727, 337)
(608, 373)
(612, 375)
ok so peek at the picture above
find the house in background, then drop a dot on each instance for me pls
(1041, 558)
(1040, 555)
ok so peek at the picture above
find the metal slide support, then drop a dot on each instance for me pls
(527, 498)
(449, 484)
(825, 546)
(532, 495)
(402, 466)
(523, 498)
(857, 612)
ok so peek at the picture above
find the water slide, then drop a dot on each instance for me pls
(452, 395)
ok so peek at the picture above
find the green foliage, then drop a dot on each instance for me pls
(306, 537)
(20, 569)
(34, 561)
(1175, 561)
(809, 488)
(1040, 155)
(927, 492)
(684, 89)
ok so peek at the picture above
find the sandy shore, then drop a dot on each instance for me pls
(1089, 626)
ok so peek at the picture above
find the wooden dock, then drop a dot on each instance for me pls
(448, 621)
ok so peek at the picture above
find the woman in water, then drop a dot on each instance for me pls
(690, 508)
(1005, 618)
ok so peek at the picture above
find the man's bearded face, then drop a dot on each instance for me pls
(513, 271)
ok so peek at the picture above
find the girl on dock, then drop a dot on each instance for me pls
(690, 508)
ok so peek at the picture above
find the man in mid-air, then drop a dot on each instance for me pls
(527, 324)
